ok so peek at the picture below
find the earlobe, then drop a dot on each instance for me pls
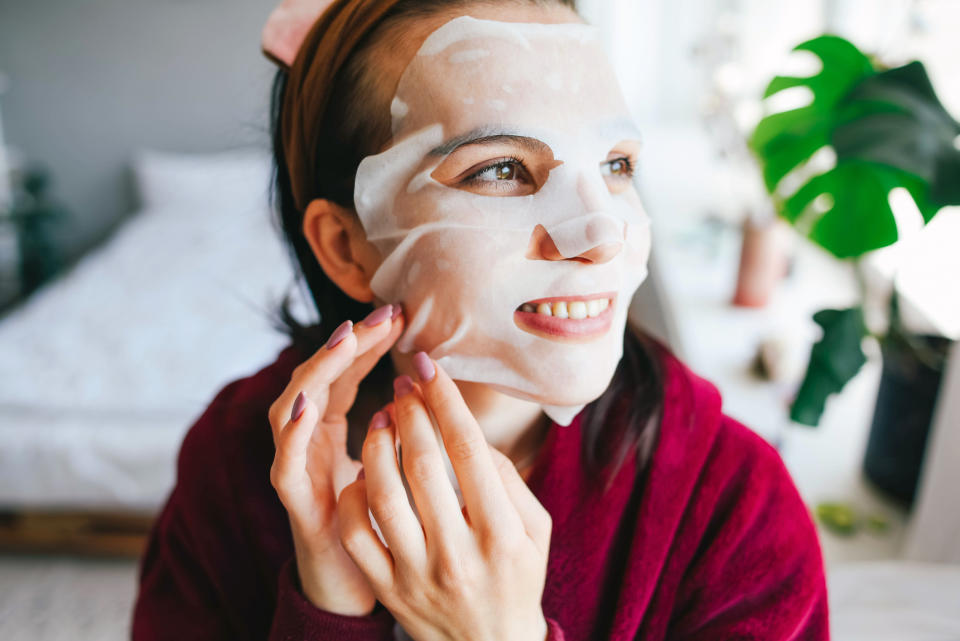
(340, 246)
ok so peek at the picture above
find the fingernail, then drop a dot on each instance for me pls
(298, 406)
(361, 475)
(378, 315)
(396, 311)
(339, 334)
(424, 367)
(380, 420)
(402, 385)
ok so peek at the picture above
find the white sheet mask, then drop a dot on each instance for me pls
(458, 260)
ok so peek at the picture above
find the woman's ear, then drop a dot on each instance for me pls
(340, 245)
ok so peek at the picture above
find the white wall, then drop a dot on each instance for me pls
(934, 533)
(89, 80)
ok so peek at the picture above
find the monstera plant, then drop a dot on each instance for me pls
(888, 130)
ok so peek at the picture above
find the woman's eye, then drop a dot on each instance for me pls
(503, 171)
(619, 167)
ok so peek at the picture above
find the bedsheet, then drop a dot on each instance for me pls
(103, 370)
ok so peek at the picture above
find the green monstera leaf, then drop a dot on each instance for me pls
(894, 119)
(785, 140)
(888, 130)
(834, 360)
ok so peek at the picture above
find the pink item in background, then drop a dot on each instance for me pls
(764, 257)
(287, 26)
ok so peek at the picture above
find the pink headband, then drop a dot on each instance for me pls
(287, 26)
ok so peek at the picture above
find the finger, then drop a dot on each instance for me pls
(368, 333)
(483, 492)
(536, 519)
(360, 540)
(426, 473)
(386, 495)
(314, 376)
(374, 339)
(373, 329)
(288, 473)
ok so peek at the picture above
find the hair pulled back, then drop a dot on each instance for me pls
(322, 127)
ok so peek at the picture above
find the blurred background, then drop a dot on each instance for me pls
(140, 269)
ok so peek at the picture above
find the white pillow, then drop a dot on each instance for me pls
(182, 182)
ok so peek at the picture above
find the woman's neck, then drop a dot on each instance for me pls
(516, 427)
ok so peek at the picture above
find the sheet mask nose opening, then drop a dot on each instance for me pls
(578, 236)
(601, 230)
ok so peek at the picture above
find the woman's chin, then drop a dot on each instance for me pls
(576, 397)
(569, 395)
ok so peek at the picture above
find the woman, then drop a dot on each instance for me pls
(466, 166)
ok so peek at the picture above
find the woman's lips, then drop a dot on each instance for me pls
(575, 318)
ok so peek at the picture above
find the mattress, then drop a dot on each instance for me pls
(104, 369)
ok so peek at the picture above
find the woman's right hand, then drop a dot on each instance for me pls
(311, 465)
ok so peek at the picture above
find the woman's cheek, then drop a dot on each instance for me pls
(447, 285)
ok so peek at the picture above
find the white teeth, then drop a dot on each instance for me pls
(577, 309)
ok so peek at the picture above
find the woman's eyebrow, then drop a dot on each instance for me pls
(484, 136)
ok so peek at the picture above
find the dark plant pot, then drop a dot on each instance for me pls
(902, 416)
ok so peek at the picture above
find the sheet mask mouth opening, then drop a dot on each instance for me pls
(572, 307)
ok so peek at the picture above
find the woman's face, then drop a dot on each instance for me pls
(505, 211)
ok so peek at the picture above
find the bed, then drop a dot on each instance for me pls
(104, 369)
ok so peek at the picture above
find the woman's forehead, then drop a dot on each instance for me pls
(471, 74)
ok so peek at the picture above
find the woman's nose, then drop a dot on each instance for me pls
(543, 246)
(594, 236)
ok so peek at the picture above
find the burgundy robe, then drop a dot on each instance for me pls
(713, 542)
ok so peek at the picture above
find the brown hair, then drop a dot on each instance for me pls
(325, 120)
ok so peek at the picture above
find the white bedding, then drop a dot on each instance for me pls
(103, 370)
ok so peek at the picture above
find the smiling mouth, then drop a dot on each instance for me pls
(569, 318)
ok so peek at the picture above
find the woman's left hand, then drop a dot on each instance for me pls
(476, 574)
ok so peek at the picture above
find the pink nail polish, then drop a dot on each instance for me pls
(396, 311)
(402, 385)
(378, 315)
(298, 406)
(379, 421)
(424, 367)
(339, 334)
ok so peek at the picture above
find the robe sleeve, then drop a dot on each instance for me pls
(178, 599)
(758, 572)
(198, 577)
(297, 618)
